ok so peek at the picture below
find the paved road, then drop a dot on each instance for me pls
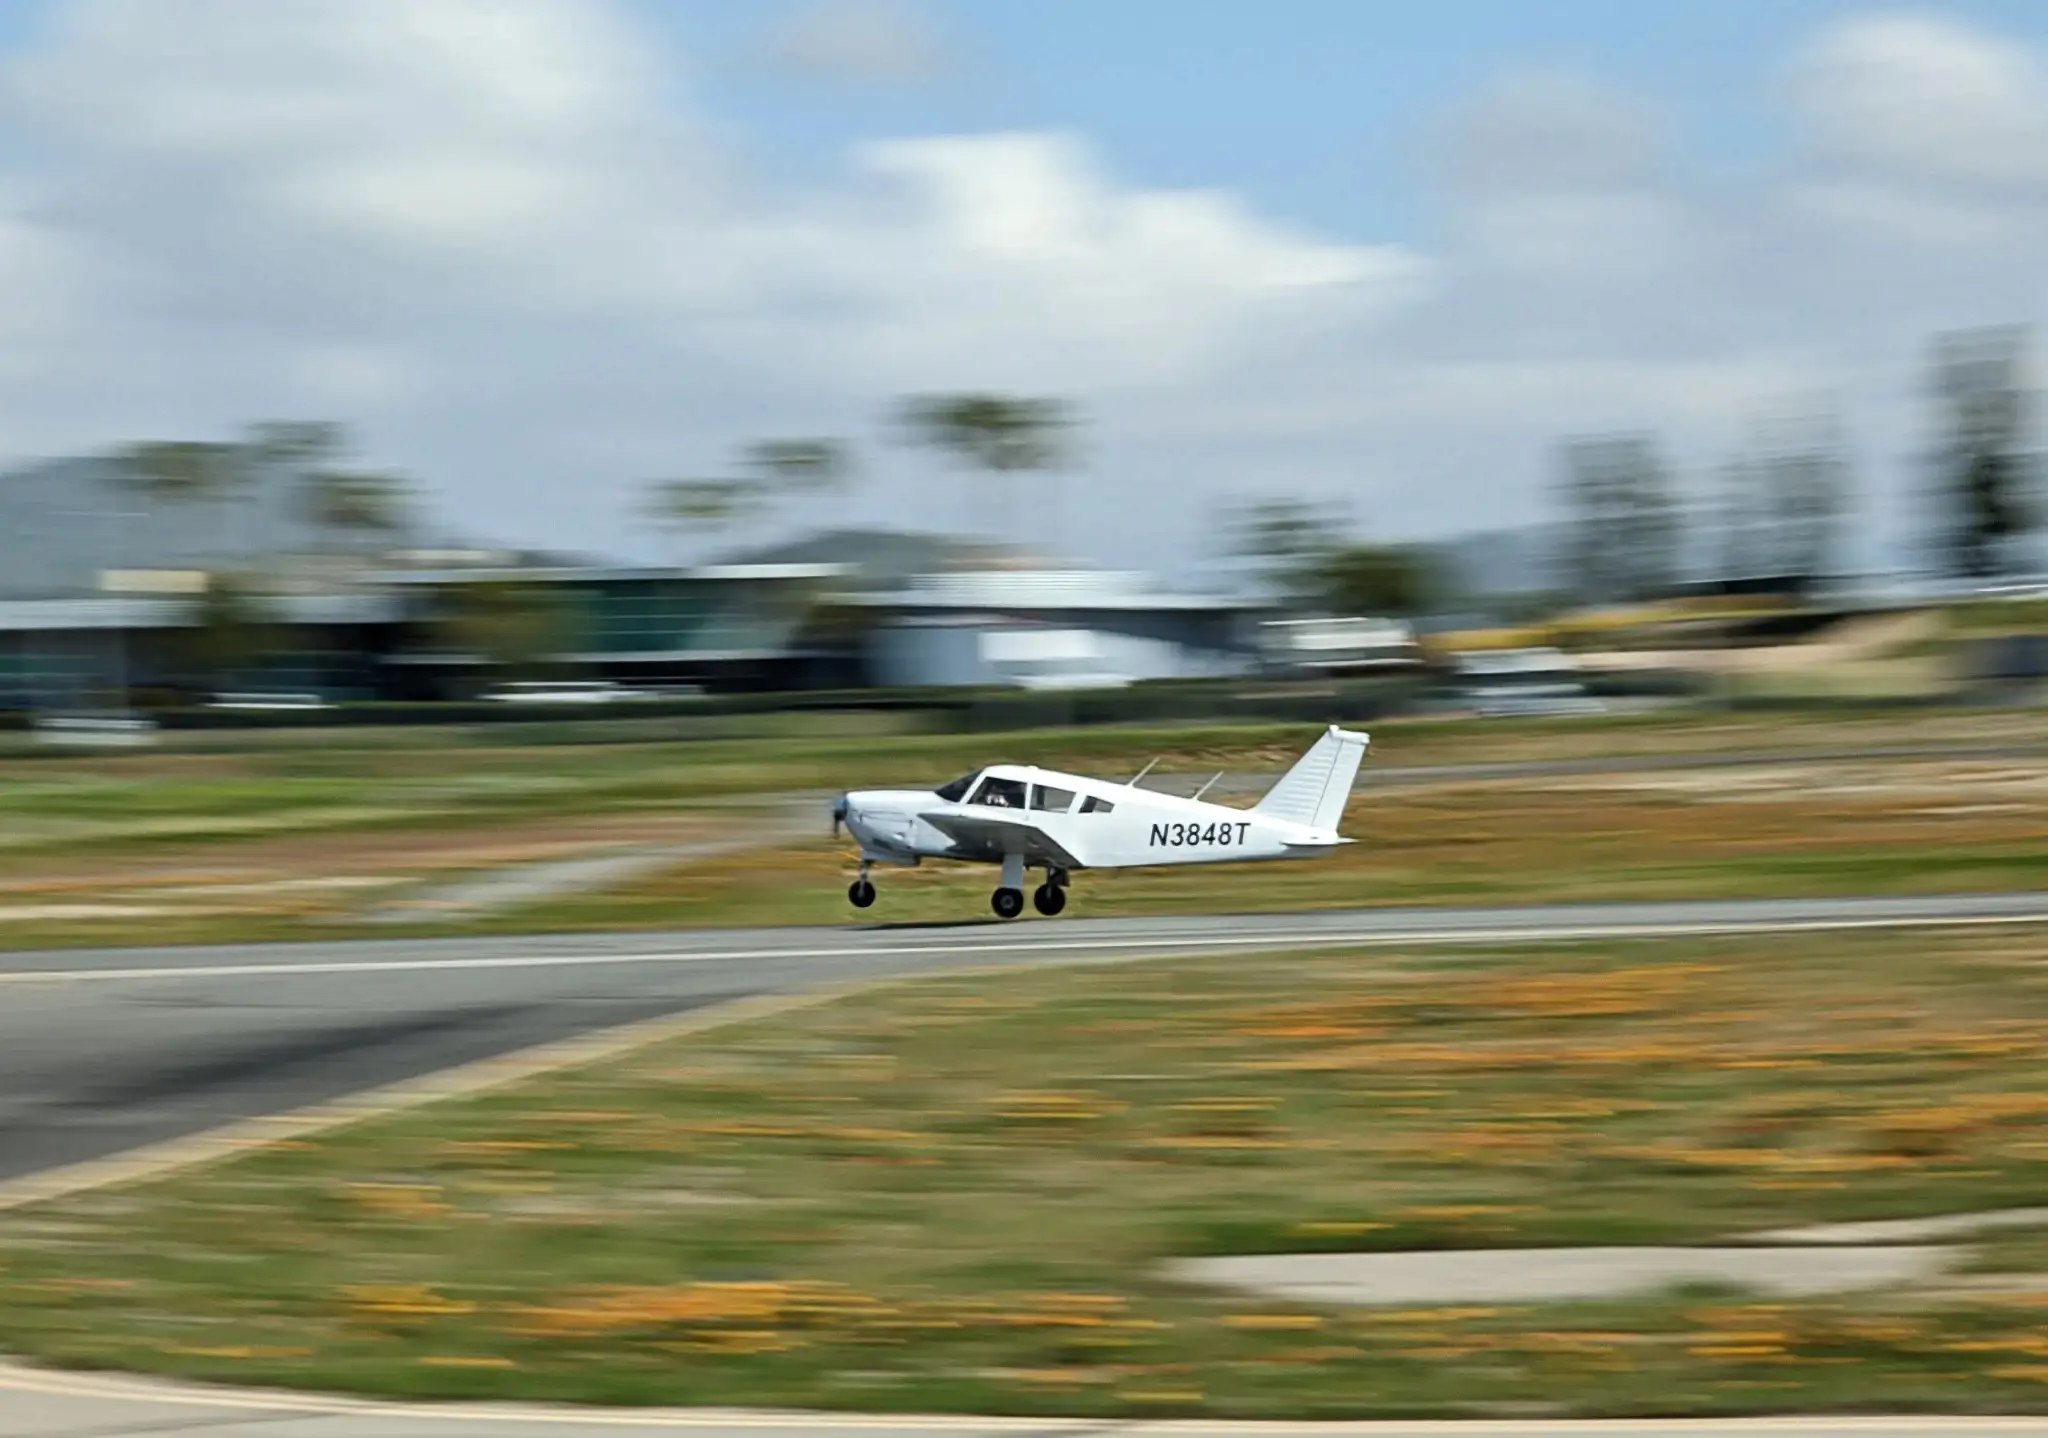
(94, 1406)
(107, 1050)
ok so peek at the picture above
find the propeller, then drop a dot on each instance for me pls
(838, 814)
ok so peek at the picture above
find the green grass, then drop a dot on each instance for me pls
(1830, 832)
(59, 805)
(1824, 829)
(958, 1194)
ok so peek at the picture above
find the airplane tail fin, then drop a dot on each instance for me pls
(1314, 791)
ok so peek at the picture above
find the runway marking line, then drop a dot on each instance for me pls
(1181, 944)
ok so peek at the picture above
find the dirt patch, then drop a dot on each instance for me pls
(405, 851)
(1558, 1275)
(1959, 786)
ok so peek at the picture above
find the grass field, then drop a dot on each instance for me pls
(293, 841)
(53, 805)
(958, 1194)
(1802, 830)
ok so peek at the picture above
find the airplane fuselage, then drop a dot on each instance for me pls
(1123, 826)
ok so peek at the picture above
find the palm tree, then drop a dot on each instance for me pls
(298, 447)
(184, 472)
(360, 503)
(684, 505)
(687, 506)
(800, 468)
(1001, 435)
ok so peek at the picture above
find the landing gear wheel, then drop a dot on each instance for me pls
(1008, 903)
(860, 893)
(1049, 899)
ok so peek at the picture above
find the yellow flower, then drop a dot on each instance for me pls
(453, 1361)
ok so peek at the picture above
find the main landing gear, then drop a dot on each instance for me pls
(1048, 898)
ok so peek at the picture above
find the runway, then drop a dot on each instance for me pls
(106, 1051)
(36, 1405)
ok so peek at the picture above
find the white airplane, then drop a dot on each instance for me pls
(1021, 817)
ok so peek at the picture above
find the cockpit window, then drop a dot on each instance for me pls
(1001, 793)
(954, 792)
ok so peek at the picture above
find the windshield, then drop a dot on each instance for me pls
(954, 792)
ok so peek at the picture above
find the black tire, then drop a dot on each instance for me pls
(1049, 899)
(1008, 903)
(860, 893)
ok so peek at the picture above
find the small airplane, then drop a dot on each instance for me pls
(1023, 818)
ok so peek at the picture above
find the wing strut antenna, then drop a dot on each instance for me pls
(1210, 785)
(1132, 784)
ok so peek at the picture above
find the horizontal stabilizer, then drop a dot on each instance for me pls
(1316, 789)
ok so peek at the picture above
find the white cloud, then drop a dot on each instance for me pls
(864, 42)
(296, 204)
(1925, 98)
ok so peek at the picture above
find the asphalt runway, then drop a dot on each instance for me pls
(95, 1406)
(106, 1051)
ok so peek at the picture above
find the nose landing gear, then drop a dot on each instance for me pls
(860, 893)
(1049, 898)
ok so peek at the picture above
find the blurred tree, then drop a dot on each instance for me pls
(1291, 543)
(521, 628)
(186, 474)
(1001, 435)
(361, 504)
(302, 443)
(687, 506)
(288, 451)
(1624, 530)
(1985, 471)
(181, 471)
(1785, 502)
(800, 467)
(232, 628)
(1376, 580)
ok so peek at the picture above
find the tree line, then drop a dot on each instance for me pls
(1777, 520)
(1784, 502)
(997, 439)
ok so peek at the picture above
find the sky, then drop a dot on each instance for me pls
(539, 253)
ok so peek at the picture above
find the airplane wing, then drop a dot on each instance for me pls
(994, 837)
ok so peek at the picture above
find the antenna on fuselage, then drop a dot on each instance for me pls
(1208, 786)
(1141, 774)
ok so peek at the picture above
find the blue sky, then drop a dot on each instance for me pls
(1315, 109)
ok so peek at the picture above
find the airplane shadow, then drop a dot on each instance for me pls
(987, 923)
